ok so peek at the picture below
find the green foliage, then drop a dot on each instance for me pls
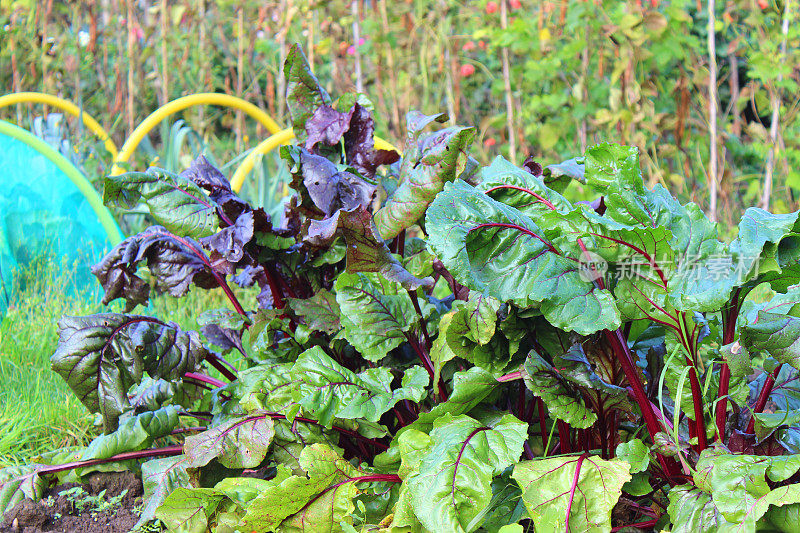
(563, 365)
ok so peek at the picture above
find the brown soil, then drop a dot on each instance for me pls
(58, 514)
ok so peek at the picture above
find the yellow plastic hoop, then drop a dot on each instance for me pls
(179, 105)
(67, 107)
(281, 138)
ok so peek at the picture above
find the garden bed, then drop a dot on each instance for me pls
(105, 504)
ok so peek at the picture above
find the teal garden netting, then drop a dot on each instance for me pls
(47, 209)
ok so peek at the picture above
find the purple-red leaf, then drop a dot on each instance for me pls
(366, 251)
(174, 262)
(102, 356)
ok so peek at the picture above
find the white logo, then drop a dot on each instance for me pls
(592, 267)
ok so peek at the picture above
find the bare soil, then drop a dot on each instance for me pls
(59, 514)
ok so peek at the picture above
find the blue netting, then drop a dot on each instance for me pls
(43, 214)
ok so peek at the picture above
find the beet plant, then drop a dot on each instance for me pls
(432, 345)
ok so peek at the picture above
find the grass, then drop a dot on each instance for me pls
(38, 411)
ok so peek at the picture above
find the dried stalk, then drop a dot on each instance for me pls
(356, 38)
(164, 57)
(712, 112)
(776, 106)
(131, 60)
(512, 142)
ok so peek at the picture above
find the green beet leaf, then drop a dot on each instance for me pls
(160, 478)
(266, 387)
(18, 483)
(636, 453)
(136, 432)
(563, 400)
(320, 312)
(191, 510)
(775, 334)
(499, 251)
(243, 490)
(175, 202)
(376, 316)
(314, 495)
(468, 332)
(327, 390)
(692, 511)
(453, 482)
(546, 490)
(242, 442)
(785, 518)
(429, 162)
(755, 249)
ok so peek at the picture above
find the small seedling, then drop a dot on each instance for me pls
(83, 501)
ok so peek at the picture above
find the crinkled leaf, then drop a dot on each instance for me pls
(356, 126)
(775, 334)
(563, 400)
(763, 251)
(217, 186)
(304, 94)
(692, 511)
(324, 187)
(160, 477)
(359, 144)
(688, 268)
(507, 183)
(151, 394)
(608, 163)
(266, 387)
(175, 263)
(228, 243)
(223, 328)
(320, 312)
(366, 251)
(735, 482)
(241, 442)
(574, 366)
(327, 513)
(327, 126)
(469, 388)
(175, 202)
(546, 484)
(430, 161)
(499, 251)
(327, 390)
(190, 510)
(102, 356)
(468, 332)
(303, 494)
(481, 317)
(453, 483)
(375, 317)
(737, 358)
